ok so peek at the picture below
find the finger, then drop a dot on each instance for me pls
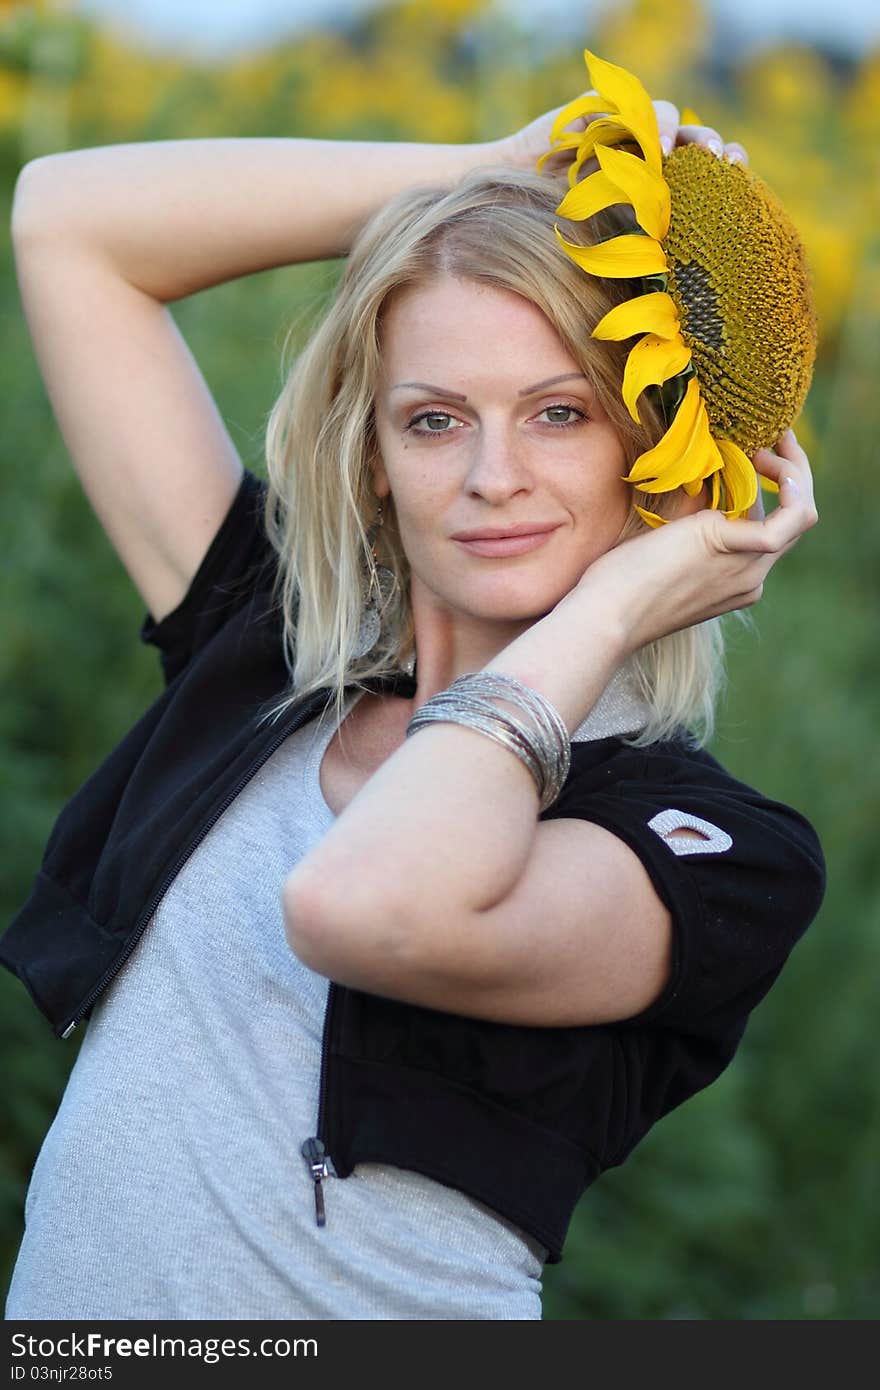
(701, 135)
(789, 546)
(787, 445)
(787, 459)
(793, 515)
(757, 511)
(735, 153)
(795, 511)
(668, 118)
(793, 480)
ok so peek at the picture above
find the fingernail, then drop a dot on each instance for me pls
(791, 483)
(716, 147)
(734, 157)
(666, 144)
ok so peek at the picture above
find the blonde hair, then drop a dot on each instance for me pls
(494, 227)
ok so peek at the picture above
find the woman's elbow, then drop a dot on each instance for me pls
(306, 923)
(34, 203)
(351, 941)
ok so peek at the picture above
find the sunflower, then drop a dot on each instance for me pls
(722, 309)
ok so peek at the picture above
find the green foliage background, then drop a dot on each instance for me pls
(759, 1198)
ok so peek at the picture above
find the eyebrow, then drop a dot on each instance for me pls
(456, 396)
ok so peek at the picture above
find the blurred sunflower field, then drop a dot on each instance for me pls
(758, 1199)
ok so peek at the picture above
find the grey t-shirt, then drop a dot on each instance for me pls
(171, 1184)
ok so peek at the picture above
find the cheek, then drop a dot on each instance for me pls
(420, 508)
(602, 488)
(420, 488)
(617, 467)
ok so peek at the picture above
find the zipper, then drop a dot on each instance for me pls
(298, 720)
(320, 1166)
(313, 1150)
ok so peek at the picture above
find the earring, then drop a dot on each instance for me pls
(386, 583)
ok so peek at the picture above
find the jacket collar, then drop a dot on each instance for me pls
(620, 709)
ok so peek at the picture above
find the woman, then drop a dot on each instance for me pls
(318, 948)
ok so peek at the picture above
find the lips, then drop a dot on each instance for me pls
(497, 546)
(493, 533)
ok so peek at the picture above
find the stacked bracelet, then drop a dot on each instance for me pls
(543, 746)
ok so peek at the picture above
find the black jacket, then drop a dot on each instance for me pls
(521, 1118)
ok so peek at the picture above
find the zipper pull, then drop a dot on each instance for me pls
(320, 1166)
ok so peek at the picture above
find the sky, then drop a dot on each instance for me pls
(214, 27)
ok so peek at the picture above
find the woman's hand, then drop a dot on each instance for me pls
(702, 565)
(526, 146)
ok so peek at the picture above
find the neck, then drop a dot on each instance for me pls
(449, 643)
(620, 709)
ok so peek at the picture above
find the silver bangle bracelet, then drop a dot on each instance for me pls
(485, 718)
(554, 733)
(544, 747)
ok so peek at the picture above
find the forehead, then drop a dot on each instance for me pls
(456, 320)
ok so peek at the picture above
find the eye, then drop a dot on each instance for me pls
(554, 412)
(433, 422)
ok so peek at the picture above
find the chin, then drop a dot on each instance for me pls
(525, 610)
(497, 598)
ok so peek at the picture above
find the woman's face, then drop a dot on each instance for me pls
(485, 421)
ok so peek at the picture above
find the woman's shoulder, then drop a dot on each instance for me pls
(239, 562)
(677, 763)
(740, 836)
(742, 873)
(682, 765)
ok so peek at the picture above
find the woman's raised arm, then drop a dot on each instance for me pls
(104, 240)
(177, 216)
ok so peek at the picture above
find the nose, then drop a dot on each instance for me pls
(498, 467)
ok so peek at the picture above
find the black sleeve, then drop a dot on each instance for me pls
(740, 895)
(239, 557)
(739, 899)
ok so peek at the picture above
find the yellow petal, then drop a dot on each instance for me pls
(713, 462)
(652, 361)
(689, 116)
(701, 456)
(652, 518)
(648, 192)
(767, 483)
(585, 152)
(609, 130)
(589, 197)
(618, 258)
(740, 477)
(567, 142)
(694, 459)
(687, 450)
(632, 102)
(716, 489)
(695, 486)
(591, 104)
(599, 134)
(646, 313)
(674, 442)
